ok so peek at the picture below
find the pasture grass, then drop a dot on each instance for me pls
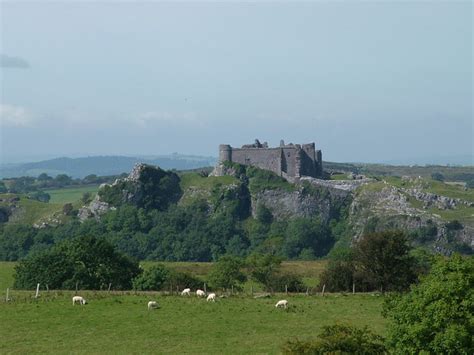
(121, 323)
(70, 194)
(7, 269)
(30, 211)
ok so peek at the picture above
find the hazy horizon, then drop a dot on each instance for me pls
(367, 81)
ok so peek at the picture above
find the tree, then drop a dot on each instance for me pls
(436, 316)
(44, 177)
(152, 279)
(227, 273)
(383, 258)
(263, 267)
(91, 262)
(339, 339)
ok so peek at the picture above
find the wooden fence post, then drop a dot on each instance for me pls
(205, 289)
(110, 285)
(37, 290)
(307, 291)
(324, 288)
(286, 289)
(353, 288)
(77, 286)
(8, 294)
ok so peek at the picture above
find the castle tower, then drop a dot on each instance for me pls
(225, 153)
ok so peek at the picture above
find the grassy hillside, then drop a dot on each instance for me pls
(122, 323)
(70, 195)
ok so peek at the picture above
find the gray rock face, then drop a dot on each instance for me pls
(344, 185)
(438, 201)
(94, 210)
(284, 204)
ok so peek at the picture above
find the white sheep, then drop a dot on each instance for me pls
(186, 292)
(282, 303)
(211, 297)
(78, 299)
(200, 293)
(152, 305)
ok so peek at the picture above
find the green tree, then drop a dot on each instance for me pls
(227, 273)
(436, 316)
(263, 267)
(152, 279)
(91, 262)
(383, 258)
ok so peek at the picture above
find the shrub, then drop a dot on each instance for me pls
(339, 339)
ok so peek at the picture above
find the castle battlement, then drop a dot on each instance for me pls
(287, 160)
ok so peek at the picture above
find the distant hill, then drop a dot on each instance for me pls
(102, 165)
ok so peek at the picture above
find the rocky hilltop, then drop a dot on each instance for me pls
(439, 217)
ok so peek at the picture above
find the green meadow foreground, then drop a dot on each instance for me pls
(121, 323)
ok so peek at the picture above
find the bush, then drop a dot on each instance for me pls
(436, 316)
(152, 279)
(339, 339)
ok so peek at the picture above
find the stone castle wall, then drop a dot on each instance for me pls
(288, 161)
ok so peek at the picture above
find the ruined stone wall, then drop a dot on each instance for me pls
(269, 159)
(288, 161)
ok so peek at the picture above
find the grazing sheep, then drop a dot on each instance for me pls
(78, 299)
(152, 305)
(282, 303)
(186, 292)
(211, 297)
(200, 293)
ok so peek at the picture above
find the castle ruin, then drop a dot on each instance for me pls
(288, 160)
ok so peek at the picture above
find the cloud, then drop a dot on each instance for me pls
(15, 116)
(13, 62)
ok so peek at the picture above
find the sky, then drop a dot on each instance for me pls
(366, 81)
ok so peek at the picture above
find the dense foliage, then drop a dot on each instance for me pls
(89, 262)
(436, 316)
(339, 339)
(379, 260)
(227, 273)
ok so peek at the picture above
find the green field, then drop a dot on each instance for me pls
(71, 194)
(113, 323)
(119, 322)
